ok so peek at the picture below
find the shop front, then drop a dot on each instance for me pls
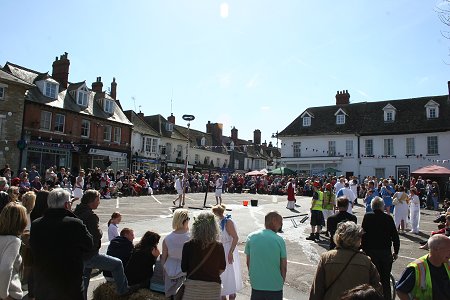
(142, 163)
(46, 154)
(104, 159)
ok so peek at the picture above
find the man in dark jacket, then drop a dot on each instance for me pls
(341, 216)
(121, 247)
(380, 234)
(84, 211)
(58, 242)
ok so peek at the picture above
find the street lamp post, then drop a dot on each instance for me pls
(187, 118)
(275, 135)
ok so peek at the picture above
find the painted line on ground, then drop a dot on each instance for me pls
(117, 202)
(407, 257)
(289, 261)
(154, 198)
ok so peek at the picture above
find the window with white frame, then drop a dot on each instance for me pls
(389, 116)
(59, 122)
(179, 151)
(217, 162)
(203, 141)
(236, 164)
(108, 106)
(380, 172)
(432, 113)
(154, 146)
(388, 146)
(46, 120)
(82, 98)
(169, 126)
(117, 135)
(297, 149)
(368, 146)
(432, 145)
(340, 119)
(50, 89)
(85, 128)
(168, 151)
(349, 148)
(331, 148)
(150, 144)
(410, 146)
(306, 121)
(107, 133)
(197, 158)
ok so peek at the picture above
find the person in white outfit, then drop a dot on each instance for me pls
(347, 192)
(79, 185)
(414, 210)
(172, 252)
(179, 188)
(400, 199)
(231, 278)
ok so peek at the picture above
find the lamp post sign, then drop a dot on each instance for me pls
(187, 118)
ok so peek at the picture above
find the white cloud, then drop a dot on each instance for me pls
(253, 82)
(265, 108)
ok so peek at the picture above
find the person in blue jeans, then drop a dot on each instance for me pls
(85, 212)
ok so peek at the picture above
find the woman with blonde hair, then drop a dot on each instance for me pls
(28, 201)
(13, 220)
(345, 267)
(231, 277)
(172, 248)
(203, 260)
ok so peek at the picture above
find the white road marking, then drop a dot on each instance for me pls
(117, 202)
(407, 257)
(156, 199)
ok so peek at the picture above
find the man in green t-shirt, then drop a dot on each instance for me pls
(266, 259)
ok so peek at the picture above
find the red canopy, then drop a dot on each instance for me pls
(432, 170)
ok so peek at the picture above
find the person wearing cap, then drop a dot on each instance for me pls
(329, 202)
(317, 220)
(347, 192)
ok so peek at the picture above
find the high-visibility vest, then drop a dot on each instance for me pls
(328, 200)
(317, 203)
(423, 286)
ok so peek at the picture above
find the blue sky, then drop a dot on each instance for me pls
(252, 64)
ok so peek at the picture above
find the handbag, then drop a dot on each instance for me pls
(180, 291)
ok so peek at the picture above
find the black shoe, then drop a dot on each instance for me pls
(317, 236)
(311, 237)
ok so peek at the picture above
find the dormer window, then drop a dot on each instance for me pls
(203, 142)
(169, 126)
(340, 119)
(432, 108)
(340, 116)
(306, 121)
(108, 106)
(50, 89)
(82, 98)
(389, 113)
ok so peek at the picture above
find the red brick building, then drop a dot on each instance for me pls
(69, 124)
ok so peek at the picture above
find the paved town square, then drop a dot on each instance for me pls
(154, 213)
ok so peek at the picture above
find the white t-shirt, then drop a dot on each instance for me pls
(113, 231)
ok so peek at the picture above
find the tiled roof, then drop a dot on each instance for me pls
(65, 99)
(140, 125)
(158, 123)
(11, 78)
(367, 118)
(195, 136)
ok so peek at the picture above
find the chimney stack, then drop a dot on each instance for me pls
(140, 114)
(234, 135)
(215, 129)
(114, 89)
(342, 97)
(257, 137)
(171, 119)
(61, 71)
(98, 85)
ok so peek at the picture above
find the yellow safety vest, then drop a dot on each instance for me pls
(423, 288)
(317, 203)
(328, 200)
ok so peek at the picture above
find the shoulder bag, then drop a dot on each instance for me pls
(180, 291)
(342, 271)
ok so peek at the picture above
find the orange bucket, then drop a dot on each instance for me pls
(245, 202)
